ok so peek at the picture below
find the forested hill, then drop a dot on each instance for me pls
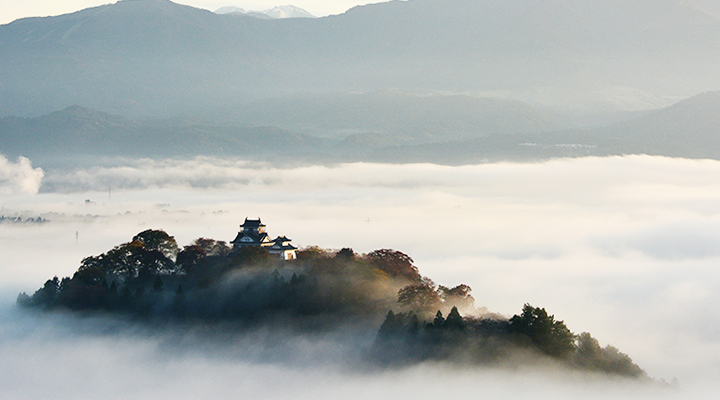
(151, 280)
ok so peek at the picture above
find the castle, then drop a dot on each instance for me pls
(253, 233)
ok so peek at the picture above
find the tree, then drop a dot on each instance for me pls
(391, 325)
(345, 254)
(420, 295)
(552, 337)
(47, 294)
(130, 260)
(86, 290)
(414, 324)
(188, 257)
(24, 300)
(252, 256)
(211, 247)
(158, 240)
(439, 321)
(395, 264)
(454, 320)
(89, 276)
(313, 253)
(457, 296)
(591, 356)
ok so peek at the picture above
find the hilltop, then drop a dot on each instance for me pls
(151, 280)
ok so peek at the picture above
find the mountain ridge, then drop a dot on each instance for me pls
(158, 58)
(693, 131)
(277, 12)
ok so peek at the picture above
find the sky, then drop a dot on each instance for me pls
(11, 10)
(625, 248)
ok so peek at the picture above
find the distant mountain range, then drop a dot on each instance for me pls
(278, 12)
(688, 129)
(65, 138)
(155, 58)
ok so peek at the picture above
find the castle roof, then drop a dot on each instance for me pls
(251, 238)
(252, 223)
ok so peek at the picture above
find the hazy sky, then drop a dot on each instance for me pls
(11, 10)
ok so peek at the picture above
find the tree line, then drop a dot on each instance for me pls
(407, 338)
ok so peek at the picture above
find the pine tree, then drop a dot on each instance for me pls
(454, 320)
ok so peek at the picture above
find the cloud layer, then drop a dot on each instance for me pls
(623, 247)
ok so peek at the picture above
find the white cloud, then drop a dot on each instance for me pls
(19, 177)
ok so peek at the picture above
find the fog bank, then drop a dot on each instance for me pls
(622, 247)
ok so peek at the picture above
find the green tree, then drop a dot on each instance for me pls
(552, 337)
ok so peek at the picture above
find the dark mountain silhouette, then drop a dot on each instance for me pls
(155, 57)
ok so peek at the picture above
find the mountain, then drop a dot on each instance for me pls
(287, 12)
(157, 58)
(230, 10)
(339, 125)
(688, 129)
(65, 137)
(415, 117)
(278, 12)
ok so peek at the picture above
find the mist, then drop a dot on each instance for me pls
(623, 247)
(48, 358)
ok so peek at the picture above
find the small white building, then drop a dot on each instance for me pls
(253, 233)
(282, 247)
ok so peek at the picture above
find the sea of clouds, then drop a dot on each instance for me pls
(626, 248)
